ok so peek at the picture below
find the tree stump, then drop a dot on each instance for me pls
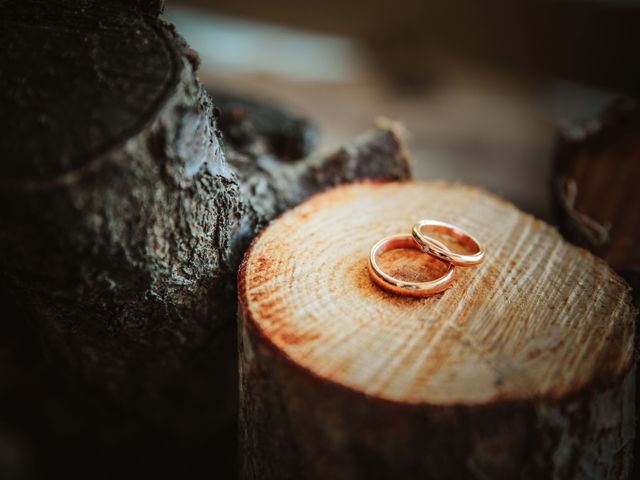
(124, 214)
(523, 369)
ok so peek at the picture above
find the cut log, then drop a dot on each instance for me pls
(597, 173)
(123, 217)
(112, 228)
(595, 190)
(522, 369)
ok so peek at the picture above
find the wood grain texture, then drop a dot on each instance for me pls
(500, 376)
(118, 46)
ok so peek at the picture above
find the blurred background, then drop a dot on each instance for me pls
(480, 87)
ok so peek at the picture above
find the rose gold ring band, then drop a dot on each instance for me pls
(437, 249)
(402, 287)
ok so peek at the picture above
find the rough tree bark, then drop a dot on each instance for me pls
(122, 219)
(523, 369)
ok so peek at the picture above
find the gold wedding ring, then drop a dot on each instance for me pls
(433, 247)
(402, 287)
(419, 240)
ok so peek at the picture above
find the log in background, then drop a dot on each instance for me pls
(125, 211)
(594, 187)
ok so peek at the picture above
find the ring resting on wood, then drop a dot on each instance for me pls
(404, 287)
(524, 370)
(428, 245)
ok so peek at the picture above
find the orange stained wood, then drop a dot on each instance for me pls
(538, 318)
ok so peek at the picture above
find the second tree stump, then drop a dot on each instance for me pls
(523, 369)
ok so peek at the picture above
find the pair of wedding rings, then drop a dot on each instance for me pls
(419, 239)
